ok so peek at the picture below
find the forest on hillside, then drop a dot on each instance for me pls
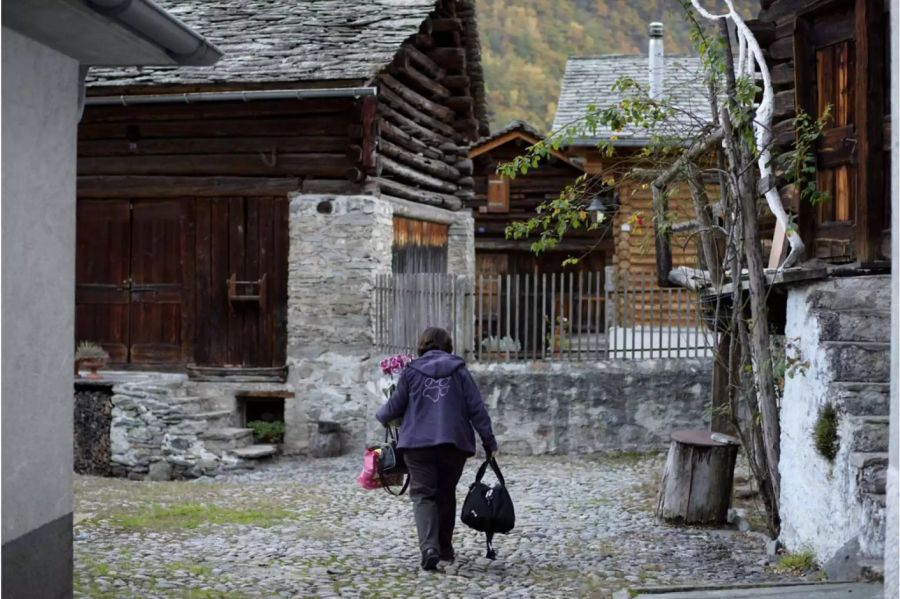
(525, 44)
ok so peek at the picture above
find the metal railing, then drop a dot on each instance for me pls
(543, 316)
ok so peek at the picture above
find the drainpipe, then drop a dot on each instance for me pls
(657, 65)
(233, 96)
(160, 28)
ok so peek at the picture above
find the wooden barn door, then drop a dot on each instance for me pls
(130, 279)
(157, 281)
(102, 273)
(241, 282)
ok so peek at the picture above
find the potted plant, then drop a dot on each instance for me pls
(557, 340)
(500, 346)
(91, 356)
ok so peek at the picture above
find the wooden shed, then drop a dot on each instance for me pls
(184, 175)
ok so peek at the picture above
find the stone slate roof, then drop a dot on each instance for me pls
(589, 80)
(270, 41)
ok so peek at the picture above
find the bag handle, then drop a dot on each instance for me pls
(494, 467)
(402, 490)
(391, 434)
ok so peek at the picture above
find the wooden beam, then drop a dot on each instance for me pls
(438, 168)
(390, 167)
(422, 61)
(418, 101)
(870, 44)
(286, 165)
(412, 128)
(210, 145)
(463, 104)
(398, 103)
(446, 25)
(452, 59)
(456, 82)
(420, 80)
(127, 186)
(424, 196)
(389, 131)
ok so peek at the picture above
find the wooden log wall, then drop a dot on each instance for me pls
(779, 26)
(320, 142)
(426, 114)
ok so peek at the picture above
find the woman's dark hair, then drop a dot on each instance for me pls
(435, 338)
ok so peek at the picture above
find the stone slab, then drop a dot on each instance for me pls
(855, 590)
(254, 452)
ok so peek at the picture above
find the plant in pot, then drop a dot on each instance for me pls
(557, 341)
(91, 356)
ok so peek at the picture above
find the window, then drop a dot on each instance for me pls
(498, 193)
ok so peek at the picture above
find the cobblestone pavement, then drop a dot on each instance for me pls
(302, 528)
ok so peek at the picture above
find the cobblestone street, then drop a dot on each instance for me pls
(302, 528)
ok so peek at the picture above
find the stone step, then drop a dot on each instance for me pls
(860, 399)
(215, 419)
(227, 439)
(854, 325)
(255, 452)
(872, 526)
(850, 293)
(871, 471)
(190, 404)
(857, 361)
(867, 434)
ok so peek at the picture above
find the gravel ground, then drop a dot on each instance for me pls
(302, 528)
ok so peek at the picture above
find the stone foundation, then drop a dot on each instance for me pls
(338, 244)
(839, 331)
(613, 405)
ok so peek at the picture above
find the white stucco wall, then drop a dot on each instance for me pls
(892, 535)
(826, 519)
(40, 92)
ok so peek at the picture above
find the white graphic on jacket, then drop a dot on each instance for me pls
(436, 389)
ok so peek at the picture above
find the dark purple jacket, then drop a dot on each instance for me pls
(439, 403)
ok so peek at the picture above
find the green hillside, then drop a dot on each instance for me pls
(525, 44)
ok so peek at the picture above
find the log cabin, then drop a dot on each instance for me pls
(186, 242)
(499, 201)
(590, 81)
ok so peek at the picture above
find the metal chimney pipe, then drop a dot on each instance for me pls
(657, 65)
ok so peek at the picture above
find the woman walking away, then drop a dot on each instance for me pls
(439, 403)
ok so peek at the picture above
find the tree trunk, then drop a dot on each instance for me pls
(697, 482)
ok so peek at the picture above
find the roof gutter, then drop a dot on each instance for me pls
(151, 22)
(233, 96)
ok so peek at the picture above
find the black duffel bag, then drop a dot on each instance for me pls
(489, 509)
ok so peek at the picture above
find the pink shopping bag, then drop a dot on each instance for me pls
(368, 478)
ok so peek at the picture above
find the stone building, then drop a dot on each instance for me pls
(232, 222)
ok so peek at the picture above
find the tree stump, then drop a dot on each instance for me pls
(697, 482)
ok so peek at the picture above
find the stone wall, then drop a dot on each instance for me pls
(93, 416)
(338, 244)
(614, 405)
(155, 432)
(837, 330)
(461, 245)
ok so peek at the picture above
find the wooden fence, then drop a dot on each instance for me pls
(407, 304)
(541, 316)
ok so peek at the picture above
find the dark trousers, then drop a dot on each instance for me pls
(433, 475)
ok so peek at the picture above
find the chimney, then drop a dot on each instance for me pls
(657, 66)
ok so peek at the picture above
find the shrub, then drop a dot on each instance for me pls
(267, 432)
(825, 433)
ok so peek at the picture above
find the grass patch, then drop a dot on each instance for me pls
(628, 457)
(825, 433)
(193, 515)
(796, 563)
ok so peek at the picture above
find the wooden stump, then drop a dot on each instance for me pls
(697, 482)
